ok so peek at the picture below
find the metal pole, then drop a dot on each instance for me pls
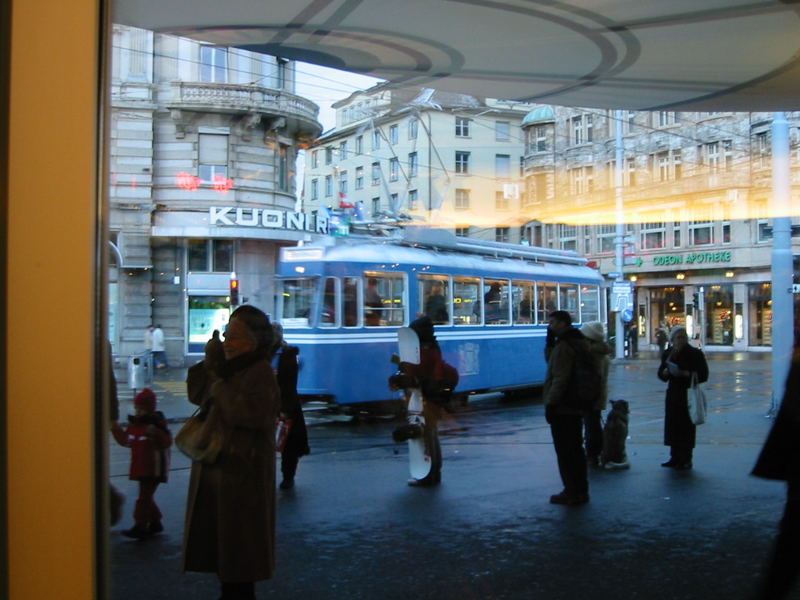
(782, 268)
(619, 239)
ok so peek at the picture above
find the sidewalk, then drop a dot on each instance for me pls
(352, 529)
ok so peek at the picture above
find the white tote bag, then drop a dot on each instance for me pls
(698, 405)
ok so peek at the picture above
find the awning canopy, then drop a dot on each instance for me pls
(642, 54)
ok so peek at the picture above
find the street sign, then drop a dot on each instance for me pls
(627, 315)
(632, 260)
(796, 288)
(614, 275)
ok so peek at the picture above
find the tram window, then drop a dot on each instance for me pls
(350, 302)
(328, 314)
(466, 303)
(568, 300)
(589, 303)
(384, 302)
(298, 295)
(434, 298)
(523, 302)
(546, 300)
(495, 301)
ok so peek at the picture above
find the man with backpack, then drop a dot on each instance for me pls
(570, 390)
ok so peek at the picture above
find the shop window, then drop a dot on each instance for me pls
(523, 302)
(206, 314)
(718, 308)
(466, 303)
(384, 299)
(434, 297)
(760, 314)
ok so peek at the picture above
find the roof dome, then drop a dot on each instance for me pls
(540, 114)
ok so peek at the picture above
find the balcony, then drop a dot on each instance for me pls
(242, 99)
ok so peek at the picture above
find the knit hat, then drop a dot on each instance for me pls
(145, 399)
(594, 330)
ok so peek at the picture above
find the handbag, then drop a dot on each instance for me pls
(698, 405)
(199, 439)
(282, 429)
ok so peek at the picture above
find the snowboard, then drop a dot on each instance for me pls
(419, 460)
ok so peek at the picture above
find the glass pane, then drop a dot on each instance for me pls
(590, 310)
(568, 300)
(466, 307)
(328, 313)
(197, 255)
(547, 300)
(206, 313)
(350, 301)
(522, 294)
(495, 301)
(223, 256)
(298, 295)
(434, 295)
(384, 302)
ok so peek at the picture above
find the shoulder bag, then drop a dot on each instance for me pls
(200, 437)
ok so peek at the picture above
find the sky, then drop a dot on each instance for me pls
(324, 86)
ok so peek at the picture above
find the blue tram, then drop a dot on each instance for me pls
(342, 300)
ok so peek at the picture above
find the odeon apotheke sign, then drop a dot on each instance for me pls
(694, 258)
(267, 217)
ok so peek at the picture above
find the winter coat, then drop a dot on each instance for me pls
(560, 362)
(678, 427)
(230, 512)
(780, 456)
(149, 449)
(601, 352)
(287, 368)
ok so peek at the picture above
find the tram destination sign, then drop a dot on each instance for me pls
(668, 260)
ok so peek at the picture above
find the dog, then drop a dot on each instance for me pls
(615, 432)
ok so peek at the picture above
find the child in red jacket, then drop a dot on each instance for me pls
(149, 439)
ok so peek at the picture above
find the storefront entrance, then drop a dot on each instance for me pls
(667, 309)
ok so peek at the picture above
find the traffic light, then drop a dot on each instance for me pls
(234, 292)
(696, 300)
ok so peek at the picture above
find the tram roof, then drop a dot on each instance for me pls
(437, 260)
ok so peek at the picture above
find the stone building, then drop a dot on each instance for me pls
(449, 160)
(203, 143)
(695, 199)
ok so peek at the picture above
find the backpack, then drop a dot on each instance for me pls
(585, 382)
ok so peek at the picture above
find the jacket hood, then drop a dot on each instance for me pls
(599, 347)
(572, 334)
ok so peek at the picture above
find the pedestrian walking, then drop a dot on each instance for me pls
(149, 439)
(661, 340)
(159, 348)
(230, 511)
(296, 445)
(595, 334)
(780, 459)
(678, 363)
(565, 419)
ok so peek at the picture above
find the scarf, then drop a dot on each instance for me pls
(230, 367)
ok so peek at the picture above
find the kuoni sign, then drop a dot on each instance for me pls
(694, 258)
(267, 217)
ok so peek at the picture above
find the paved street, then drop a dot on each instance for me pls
(352, 529)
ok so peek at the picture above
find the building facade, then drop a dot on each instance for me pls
(449, 160)
(204, 141)
(695, 203)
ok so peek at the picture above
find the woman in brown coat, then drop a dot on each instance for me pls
(230, 513)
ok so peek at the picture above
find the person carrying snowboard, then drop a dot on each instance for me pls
(436, 379)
